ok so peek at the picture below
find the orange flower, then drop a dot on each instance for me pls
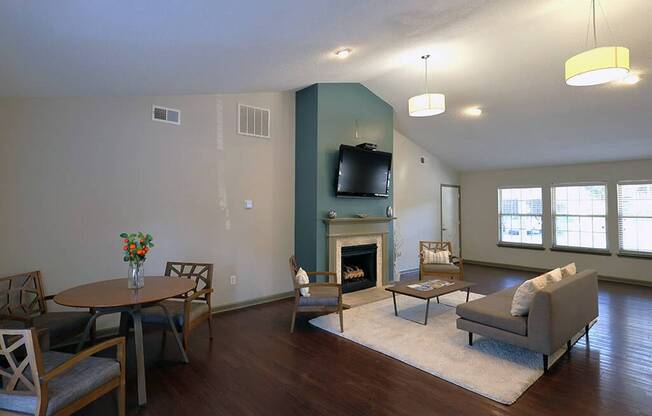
(139, 252)
(132, 246)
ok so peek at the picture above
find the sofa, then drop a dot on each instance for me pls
(558, 312)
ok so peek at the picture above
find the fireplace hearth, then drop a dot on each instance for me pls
(359, 267)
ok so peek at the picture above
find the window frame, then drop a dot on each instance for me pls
(553, 219)
(621, 251)
(510, 244)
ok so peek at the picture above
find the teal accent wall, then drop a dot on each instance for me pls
(326, 117)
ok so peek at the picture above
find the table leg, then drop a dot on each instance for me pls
(124, 324)
(467, 293)
(437, 299)
(173, 327)
(395, 310)
(87, 331)
(425, 322)
(140, 355)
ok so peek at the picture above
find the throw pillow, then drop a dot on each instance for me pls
(525, 294)
(554, 275)
(436, 257)
(568, 270)
(302, 279)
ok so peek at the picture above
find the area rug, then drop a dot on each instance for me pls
(496, 370)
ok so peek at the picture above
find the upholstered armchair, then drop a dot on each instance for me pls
(23, 305)
(325, 297)
(188, 310)
(41, 383)
(452, 269)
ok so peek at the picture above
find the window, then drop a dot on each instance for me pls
(520, 212)
(635, 217)
(580, 216)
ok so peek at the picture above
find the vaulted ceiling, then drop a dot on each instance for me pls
(505, 56)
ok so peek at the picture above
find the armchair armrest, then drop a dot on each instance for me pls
(457, 260)
(198, 294)
(62, 368)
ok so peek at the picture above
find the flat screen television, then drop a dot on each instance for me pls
(363, 173)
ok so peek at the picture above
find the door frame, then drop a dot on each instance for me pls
(459, 212)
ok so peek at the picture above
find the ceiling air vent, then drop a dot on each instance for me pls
(166, 115)
(253, 121)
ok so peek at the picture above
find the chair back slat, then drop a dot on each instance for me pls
(435, 246)
(19, 348)
(200, 273)
(22, 295)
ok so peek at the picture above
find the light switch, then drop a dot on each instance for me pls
(249, 204)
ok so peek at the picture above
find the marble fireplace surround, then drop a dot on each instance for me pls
(343, 232)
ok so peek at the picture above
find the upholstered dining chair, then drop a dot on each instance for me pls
(324, 296)
(23, 305)
(453, 268)
(188, 310)
(54, 383)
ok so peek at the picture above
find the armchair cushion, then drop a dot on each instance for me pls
(319, 301)
(155, 315)
(84, 377)
(61, 325)
(436, 257)
(441, 268)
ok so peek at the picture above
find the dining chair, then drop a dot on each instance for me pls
(453, 268)
(23, 305)
(188, 310)
(324, 296)
(54, 383)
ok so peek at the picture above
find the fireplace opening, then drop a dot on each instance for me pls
(358, 267)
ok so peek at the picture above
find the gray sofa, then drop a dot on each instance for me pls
(558, 312)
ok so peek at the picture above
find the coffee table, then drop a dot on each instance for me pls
(403, 289)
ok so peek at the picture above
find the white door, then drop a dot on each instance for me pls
(450, 216)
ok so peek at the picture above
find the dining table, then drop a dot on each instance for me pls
(114, 296)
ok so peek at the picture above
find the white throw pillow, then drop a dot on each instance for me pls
(302, 279)
(525, 294)
(436, 257)
(568, 270)
(554, 275)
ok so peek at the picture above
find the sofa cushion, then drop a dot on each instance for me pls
(568, 270)
(441, 268)
(525, 294)
(494, 311)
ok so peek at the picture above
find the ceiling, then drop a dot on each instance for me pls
(506, 56)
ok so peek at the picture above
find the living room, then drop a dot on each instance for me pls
(326, 208)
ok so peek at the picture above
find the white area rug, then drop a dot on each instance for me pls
(496, 370)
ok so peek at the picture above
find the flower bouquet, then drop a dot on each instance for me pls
(135, 248)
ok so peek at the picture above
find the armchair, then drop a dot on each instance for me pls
(55, 383)
(454, 269)
(324, 296)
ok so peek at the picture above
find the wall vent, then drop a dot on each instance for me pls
(166, 115)
(254, 121)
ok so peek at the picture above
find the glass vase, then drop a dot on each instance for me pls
(136, 276)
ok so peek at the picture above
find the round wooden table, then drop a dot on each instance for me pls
(113, 296)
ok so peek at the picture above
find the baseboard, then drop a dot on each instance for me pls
(252, 302)
(409, 272)
(541, 270)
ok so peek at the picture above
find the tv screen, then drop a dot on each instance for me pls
(363, 172)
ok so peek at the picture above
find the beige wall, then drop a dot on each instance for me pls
(480, 217)
(75, 172)
(416, 197)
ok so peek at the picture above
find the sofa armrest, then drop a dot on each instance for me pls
(561, 310)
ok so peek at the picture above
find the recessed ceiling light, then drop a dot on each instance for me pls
(631, 79)
(473, 111)
(343, 53)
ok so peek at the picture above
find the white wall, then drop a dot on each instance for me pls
(75, 172)
(480, 216)
(416, 197)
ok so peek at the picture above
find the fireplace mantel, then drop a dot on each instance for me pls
(354, 220)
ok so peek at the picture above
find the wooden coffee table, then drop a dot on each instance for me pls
(403, 289)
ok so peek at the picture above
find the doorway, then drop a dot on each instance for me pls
(450, 216)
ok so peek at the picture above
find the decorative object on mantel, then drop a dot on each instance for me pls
(332, 214)
(362, 215)
(135, 248)
(390, 212)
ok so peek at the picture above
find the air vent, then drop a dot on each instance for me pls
(253, 121)
(166, 115)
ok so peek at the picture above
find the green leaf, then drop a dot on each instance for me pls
(124, 235)
(125, 258)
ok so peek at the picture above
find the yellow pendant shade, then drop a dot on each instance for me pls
(597, 66)
(425, 105)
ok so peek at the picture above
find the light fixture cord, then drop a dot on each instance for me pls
(595, 35)
(425, 58)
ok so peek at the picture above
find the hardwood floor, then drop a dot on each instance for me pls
(256, 367)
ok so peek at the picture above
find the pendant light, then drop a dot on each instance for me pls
(427, 104)
(598, 65)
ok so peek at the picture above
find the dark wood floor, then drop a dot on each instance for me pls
(255, 367)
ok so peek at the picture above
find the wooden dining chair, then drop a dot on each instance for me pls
(325, 297)
(454, 268)
(23, 305)
(54, 383)
(190, 309)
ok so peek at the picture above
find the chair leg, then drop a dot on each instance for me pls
(545, 363)
(341, 320)
(186, 337)
(294, 317)
(121, 398)
(586, 332)
(470, 339)
(210, 326)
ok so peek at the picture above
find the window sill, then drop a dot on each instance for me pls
(647, 256)
(581, 251)
(522, 246)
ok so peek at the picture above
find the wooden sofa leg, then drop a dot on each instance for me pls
(545, 363)
(586, 332)
(470, 339)
(341, 320)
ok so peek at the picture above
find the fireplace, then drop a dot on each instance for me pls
(359, 267)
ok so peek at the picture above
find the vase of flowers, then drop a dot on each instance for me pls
(135, 248)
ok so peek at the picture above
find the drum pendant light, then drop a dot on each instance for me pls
(427, 104)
